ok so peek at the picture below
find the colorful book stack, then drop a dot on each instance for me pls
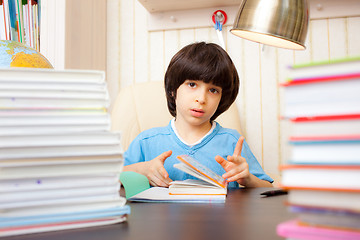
(20, 21)
(322, 175)
(59, 163)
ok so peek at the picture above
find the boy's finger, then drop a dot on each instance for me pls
(231, 173)
(221, 161)
(238, 147)
(159, 181)
(235, 177)
(163, 173)
(235, 159)
(162, 157)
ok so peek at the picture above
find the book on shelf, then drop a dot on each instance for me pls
(341, 149)
(325, 69)
(58, 193)
(64, 217)
(345, 200)
(321, 177)
(328, 217)
(53, 89)
(58, 182)
(70, 200)
(63, 206)
(51, 121)
(322, 126)
(322, 96)
(49, 77)
(20, 21)
(207, 182)
(56, 169)
(63, 225)
(49, 161)
(59, 151)
(292, 229)
(60, 139)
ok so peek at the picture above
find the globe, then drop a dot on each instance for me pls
(16, 54)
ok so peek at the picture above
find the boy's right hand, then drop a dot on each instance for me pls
(154, 170)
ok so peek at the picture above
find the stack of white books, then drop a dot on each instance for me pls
(322, 173)
(59, 162)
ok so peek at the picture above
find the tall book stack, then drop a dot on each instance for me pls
(59, 163)
(322, 174)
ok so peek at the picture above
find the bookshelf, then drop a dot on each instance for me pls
(174, 5)
(173, 14)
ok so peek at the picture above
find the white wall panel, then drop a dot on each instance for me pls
(252, 98)
(156, 62)
(171, 46)
(113, 51)
(319, 40)
(235, 49)
(353, 35)
(285, 58)
(202, 34)
(186, 37)
(269, 107)
(127, 42)
(337, 37)
(141, 41)
(304, 56)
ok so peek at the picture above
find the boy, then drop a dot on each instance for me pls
(201, 82)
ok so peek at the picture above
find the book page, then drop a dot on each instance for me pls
(203, 170)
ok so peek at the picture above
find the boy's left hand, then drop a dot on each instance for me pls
(236, 167)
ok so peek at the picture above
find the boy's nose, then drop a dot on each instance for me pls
(201, 98)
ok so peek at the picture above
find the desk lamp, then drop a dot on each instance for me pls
(279, 23)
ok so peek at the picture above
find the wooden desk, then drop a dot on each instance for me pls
(245, 215)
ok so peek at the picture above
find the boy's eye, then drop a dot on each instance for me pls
(214, 90)
(192, 84)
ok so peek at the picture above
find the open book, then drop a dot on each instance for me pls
(208, 182)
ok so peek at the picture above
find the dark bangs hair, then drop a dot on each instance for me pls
(207, 62)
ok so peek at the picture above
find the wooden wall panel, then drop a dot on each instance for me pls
(85, 39)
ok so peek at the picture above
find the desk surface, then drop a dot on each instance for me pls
(245, 215)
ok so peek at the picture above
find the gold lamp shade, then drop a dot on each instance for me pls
(279, 23)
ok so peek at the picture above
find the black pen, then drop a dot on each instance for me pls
(275, 192)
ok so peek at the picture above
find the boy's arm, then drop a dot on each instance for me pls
(237, 169)
(154, 170)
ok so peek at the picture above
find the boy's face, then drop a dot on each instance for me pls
(197, 101)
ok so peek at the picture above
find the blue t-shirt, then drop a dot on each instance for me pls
(221, 141)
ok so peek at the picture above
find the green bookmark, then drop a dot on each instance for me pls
(133, 183)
